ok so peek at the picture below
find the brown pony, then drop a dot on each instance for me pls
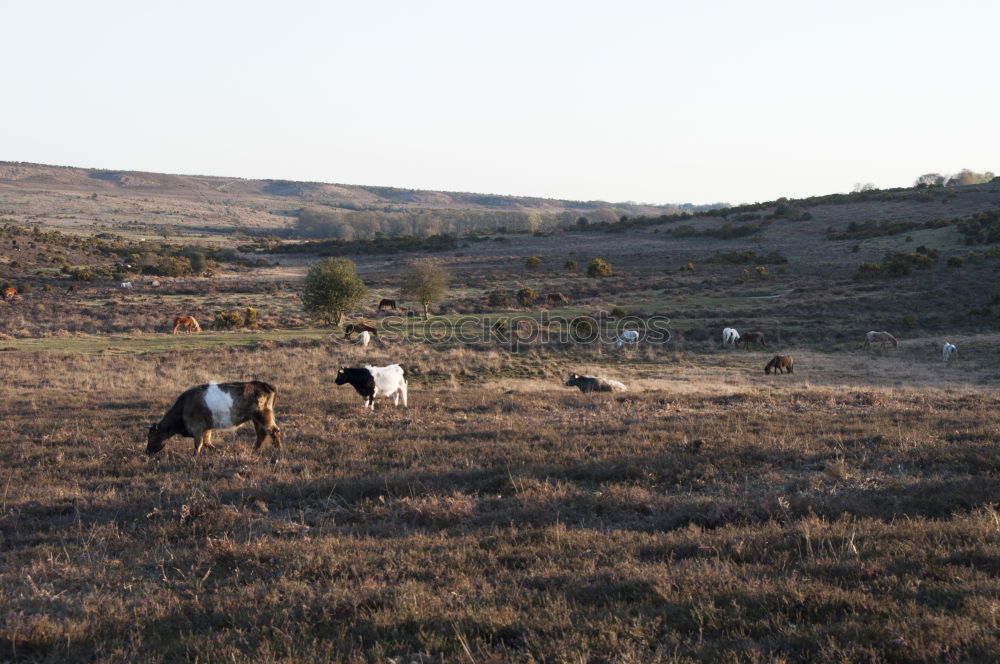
(187, 322)
(9, 294)
(386, 303)
(749, 337)
(779, 364)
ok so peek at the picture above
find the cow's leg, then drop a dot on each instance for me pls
(263, 424)
(404, 387)
(207, 437)
(199, 441)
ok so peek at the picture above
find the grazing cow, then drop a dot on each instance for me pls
(730, 336)
(127, 285)
(371, 382)
(748, 338)
(365, 338)
(9, 294)
(556, 298)
(949, 352)
(386, 303)
(630, 337)
(779, 364)
(187, 322)
(217, 407)
(594, 384)
(352, 328)
(884, 338)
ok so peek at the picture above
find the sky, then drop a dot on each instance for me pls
(644, 101)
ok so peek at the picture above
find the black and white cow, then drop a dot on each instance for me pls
(371, 382)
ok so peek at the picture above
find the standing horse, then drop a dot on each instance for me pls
(751, 337)
(386, 303)
(779, 364)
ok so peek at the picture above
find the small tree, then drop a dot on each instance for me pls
(425, 282)
(498, 298)
(331, 288)
(599, 268)
(526, 296)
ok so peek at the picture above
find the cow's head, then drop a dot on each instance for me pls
(154, 439)
(341, 377)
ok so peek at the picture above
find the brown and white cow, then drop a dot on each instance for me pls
(199, 411)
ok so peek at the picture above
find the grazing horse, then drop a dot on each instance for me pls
(386, 303)
(751, 337)
(556, 298)
(730, 336)
(630, 337)
(779, 364)
(72, 288)
(352, 328)
(884, 338)
(9, 294)
(187, 322)
(949, 352)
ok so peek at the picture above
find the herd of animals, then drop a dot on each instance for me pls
(200, 410)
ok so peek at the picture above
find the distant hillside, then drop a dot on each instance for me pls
(207, 203)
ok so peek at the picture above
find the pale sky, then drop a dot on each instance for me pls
(656, 102)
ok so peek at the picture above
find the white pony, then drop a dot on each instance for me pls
(949, 352)
(730, 336)
(365, 338)
(883, 338)
(630, 337)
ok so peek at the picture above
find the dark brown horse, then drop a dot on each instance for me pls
(354, 328)
(751, 337)
(386, 303)
(779, 364)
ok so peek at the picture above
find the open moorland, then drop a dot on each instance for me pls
(845, 512)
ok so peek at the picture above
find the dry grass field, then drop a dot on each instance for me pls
(711, 514)
(845, 513)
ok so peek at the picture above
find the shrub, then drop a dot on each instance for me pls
(526, 296)
(745, 275)
(618, 312)
(225, 320)
(570, 265)
(498, 298)
(956, 261)
(24, 288)
(533, 262)
(250, 317)
(993, 252)
(599, 268)
(909, 321)
(761, 272)
(868, 271)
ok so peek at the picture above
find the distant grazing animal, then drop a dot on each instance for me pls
(72, 288)
(353, 328)
(594, 384)
(9, 294)
(779, 364)
(187, 322)
(365, 338)
(630, 337)
(13, 244)
(126, 285)
(949, 352)
(880, 337)
(386, 303)
(556, 298)
(155, 284)
(371, 382)
(748, 338)
(411, 314)
(217, 407)
(730, 336)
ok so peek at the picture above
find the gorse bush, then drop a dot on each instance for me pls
(226, 320)
(599, 268)
(533, 262)
(498, 298)
(526, 296)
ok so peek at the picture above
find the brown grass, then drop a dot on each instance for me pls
(766, 521)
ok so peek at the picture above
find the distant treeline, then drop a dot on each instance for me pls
(340, 224)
